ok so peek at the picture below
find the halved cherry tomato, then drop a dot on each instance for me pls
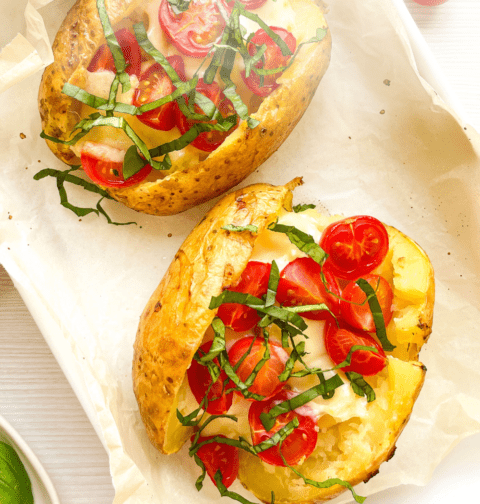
(193, 31)
(104, 165)
(266, 381)
(297, 445)
(199, 380)
(355, 308)
(340, 340)
(219, 456)
(253, 4)
(272, 58)
(103, 59)
(208, 141)
(355, 246)
(254, 280)
(301, 284)
(155, 84)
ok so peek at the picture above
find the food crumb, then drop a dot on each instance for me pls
(23, 136)
(169, 235)
(10, 217)
(382, 111)
(387, 82)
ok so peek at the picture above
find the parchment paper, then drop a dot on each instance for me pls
(376, 140)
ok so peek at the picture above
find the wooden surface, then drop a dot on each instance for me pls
(37, 400)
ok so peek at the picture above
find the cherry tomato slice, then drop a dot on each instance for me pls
(339, 341)
(104, 165)
(103, 59)
(199, 380)
(272, 58)
(354, 306)
(219, 456)
(154, 85)
(266, 381)
(300, 443)
(301, 284)
(254, 280)
(208, 141)
(194, 31)
(253, 4)
(355, 246)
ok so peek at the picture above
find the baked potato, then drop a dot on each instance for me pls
(266, 107)
(354, 428)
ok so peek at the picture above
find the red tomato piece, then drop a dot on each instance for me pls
(355, 246)
(208, 141)
(154, 85)
(104, 165)
(194, 31)
(219, 456)
(103, 59)
(253, 4)
(339, 341)
(354, 306)
(254, 281)
(266, 381)
(272, 58)
(199, 380)
(301, 284)
(297, 445)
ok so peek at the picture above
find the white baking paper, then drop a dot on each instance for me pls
(375, 140)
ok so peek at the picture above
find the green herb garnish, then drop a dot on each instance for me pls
(15, 484)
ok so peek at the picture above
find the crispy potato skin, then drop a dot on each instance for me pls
(243, 151)
(176, 317)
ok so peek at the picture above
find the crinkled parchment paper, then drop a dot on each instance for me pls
(376, 139)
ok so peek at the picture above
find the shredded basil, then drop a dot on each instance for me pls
(324, 484)
(377, 314)
(63, 176)
(268, 419)
(15, 484)
(360, 386)
(114, 46)
(224, 492)
(303, 241)
(248, 227)
(302, 208)
(273, 281)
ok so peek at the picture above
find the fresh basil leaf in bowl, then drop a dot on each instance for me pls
(15, 484)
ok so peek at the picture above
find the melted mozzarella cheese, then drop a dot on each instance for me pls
(345, 404)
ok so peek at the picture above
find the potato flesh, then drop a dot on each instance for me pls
(348, 450)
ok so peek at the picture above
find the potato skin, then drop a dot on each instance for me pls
(176, 317)
(243, 151)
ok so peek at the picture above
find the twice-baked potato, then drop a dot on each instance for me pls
(252, 113)
(349, 375)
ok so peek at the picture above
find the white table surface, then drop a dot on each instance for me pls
(37, 400)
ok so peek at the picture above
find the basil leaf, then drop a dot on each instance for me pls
(324, 484)
(377, 314)
(179, 5)
(268, 419)
(63, 176)
(360, 386)
(278, 437)
(15, 484)
(218, 343)
(224, 492)
(295, 355)
(302, 208)
(114, 46)
(199, 481)
(285, 50)
(241, 386)
(303, 241)
(273, 281)
(248, 227)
